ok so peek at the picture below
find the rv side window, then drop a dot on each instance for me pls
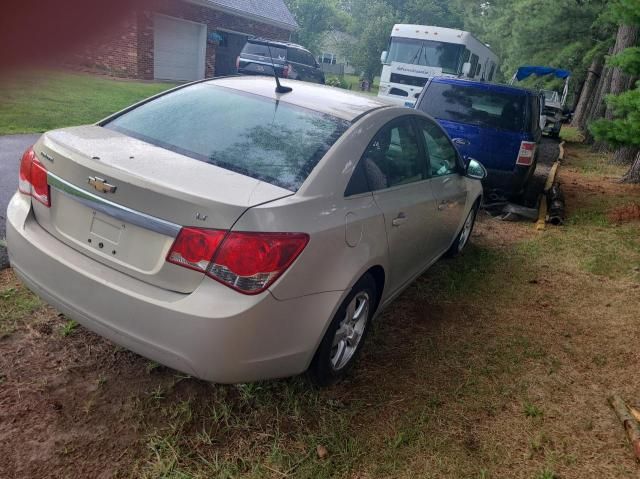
(478, 68)
(464, 59)
(493, 70)
(474, 65)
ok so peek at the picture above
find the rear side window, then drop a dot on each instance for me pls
(535, 113)
(249, 134)
(475, 106)
(263, 51)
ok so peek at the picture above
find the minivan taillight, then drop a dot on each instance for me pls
(286, 71)
(32, 178)
(246, 262)
(237, 63)
(526, 153)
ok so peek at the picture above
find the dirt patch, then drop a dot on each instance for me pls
(625, 214)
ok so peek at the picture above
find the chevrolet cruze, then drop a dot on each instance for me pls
(236, 233)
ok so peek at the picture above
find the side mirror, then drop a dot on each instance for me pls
(383, 57)
(475, 170)
(466, 69)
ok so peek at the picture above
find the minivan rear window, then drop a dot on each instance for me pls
(475, 106)
(259, 49)
(278, 143)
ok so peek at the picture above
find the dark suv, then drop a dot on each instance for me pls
(290, 60)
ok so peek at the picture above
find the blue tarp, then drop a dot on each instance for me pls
(527, 71)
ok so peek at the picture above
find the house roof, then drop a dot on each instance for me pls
(274, 12)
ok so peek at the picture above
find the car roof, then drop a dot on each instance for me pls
(277, 42)
(483, 85)
(336, 102)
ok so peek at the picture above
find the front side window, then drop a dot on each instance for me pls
(309, 60)
(443, 158)
(252, 135)
(295, 55)
(393, 158)
(426, 53)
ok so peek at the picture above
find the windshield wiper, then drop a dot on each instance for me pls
(418, 55)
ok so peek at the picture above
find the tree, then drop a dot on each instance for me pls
(371, 23)
(558, 33)
(588, 89)
(314, 17)
(621, 126)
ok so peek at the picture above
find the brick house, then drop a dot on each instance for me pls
(184, 39)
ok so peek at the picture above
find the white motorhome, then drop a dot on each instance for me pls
(419, 52)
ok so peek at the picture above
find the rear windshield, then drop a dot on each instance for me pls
(475, 106)
(274, 142)
(263, 51)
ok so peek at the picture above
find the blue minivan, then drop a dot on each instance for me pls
(498, 125)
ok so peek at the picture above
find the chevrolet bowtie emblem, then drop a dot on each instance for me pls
(101, 185)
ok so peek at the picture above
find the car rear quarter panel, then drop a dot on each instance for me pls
(347, 235)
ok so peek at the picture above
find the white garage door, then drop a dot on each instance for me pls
(179, 49)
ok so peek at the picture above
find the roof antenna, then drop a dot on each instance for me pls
(279, 88)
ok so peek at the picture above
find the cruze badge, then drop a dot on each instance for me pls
(101, 185)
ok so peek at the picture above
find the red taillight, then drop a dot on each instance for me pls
(237, 63)
(32, 178)
(194, 248)
(287, 71)
(246, 262)
(526, 153)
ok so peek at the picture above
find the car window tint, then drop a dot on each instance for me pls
(279, 54)
(249, 134)
(443, 158)
(393, 157)
(475, 106)
(295, 55)
(309, 60)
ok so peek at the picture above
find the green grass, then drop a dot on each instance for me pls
(68, 328)
(39, 101)
(571, 134)
(16, 304)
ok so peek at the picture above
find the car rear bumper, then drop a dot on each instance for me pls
(213, 333)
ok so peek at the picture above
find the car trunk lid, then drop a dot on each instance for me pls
(122, 201)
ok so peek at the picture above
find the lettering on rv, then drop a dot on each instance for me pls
(419, 71)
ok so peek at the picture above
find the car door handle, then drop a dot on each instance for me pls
(400, 219)
(461, 141)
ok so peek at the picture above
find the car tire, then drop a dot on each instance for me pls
(345, 336)
(465, 233)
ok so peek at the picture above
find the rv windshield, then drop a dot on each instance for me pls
(426, 53)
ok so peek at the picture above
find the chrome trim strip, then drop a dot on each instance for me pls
(114, 210)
